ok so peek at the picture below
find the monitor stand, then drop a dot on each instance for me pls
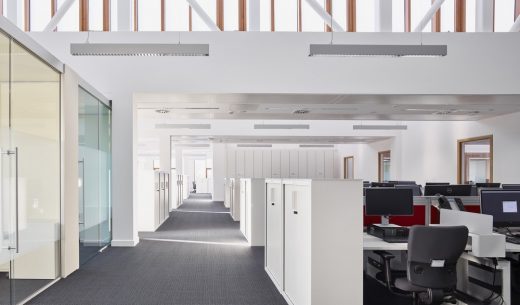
(385, 223)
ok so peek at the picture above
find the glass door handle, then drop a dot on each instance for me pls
(15, 153)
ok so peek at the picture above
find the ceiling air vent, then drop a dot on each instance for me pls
(162, 111)
(301, 111)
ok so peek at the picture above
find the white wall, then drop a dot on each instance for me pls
(281, 64)
(219, 171)
(427, 151)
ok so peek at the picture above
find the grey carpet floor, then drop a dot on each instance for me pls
(194, 258)
(22, 288)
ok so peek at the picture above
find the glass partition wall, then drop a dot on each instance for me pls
(29, 173)
(94, 175)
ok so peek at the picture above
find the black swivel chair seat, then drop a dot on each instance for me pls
(433, 253)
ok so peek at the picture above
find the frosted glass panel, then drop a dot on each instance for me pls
(176, 15)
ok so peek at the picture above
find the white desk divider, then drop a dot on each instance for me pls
(476, 223)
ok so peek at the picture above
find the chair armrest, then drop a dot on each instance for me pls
(387, 257)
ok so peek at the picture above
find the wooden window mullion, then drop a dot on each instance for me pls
(220, 14)
(83, 15)
(163, 15)
(272, 16)
(27, 15)
(106, 15)
(351, 15)
(517, 8)
(407, 15)
(299, 16)
(436, 20)
(242, 19)
(190, 19)
(460, 15)
(136, 15)
(328, 8)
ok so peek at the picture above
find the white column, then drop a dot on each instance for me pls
(219, 171)
(203, 15)
(484, 16)
(124, 170)
(125, 16)
(15, 12)
(165, 153)
(254, 15)
(383, 15)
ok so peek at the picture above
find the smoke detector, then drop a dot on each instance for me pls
(162, 111)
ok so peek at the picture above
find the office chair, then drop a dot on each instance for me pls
(433, 253)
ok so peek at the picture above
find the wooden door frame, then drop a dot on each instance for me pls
(380, 178)
(345, 166)
(459, 156)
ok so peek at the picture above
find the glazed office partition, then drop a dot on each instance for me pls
(30, 172)
(94, 175)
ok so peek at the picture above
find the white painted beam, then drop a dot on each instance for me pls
(516, 25)
(55, 20)
(203, 15)
(429, 15)
(125, 16)
(383, 16)
(484, 15)
(336, 27)
(254, 15)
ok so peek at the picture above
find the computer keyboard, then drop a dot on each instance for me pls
(513, 240)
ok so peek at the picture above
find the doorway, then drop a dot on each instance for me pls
(384, 166)
(475, 160)
(348, 167)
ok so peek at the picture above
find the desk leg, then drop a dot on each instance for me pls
(505, 266)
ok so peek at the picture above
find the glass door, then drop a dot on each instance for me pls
(30, 173)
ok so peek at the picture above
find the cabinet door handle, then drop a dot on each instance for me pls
(295, 212)
(272, 203)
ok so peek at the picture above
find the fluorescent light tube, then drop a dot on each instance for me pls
(183, 126)
(138, 49)
(377, 50)
(315, 145)
(281, 126)
(380, 127)
(254, 145)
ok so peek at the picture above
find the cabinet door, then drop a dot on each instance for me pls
(259, 164)
(293, 164)
(266, 164)
(329, 164)
(298, 244)
(249, 164)
(240, 163)
(161, 197)
(157, 201)
(311, 164)
(274, 232)
(320, 164)
(285, 163)
(302, 164)
(231, 164)
(243, 207)
(276, 164)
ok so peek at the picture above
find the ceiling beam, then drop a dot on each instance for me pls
(55, 20)
(203, 15)
(429, 15)
(325, 16)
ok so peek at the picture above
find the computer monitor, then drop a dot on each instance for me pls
(387, 202)
(503, 205)
(489, 185)
(382, 184)
(511, 186)
(406, 183)
(416, 189)
(459, 190)
(437, 183)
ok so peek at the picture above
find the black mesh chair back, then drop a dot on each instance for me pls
(433, 253)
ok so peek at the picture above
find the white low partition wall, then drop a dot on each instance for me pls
(252, 210)
(314, 240)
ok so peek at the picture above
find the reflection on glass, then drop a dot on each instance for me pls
(95, 170)
(30, 173)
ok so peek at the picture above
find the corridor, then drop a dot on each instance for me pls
(197, 257)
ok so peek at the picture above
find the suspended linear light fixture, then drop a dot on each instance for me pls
(380, 127)
(138, 49)
(378, 50)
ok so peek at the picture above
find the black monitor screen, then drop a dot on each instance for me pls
(437, 183)
(388, 202)
(511, 186)
(448, 190)
(504, 206)
(382, 184)
(487, 184)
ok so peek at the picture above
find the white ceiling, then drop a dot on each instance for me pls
(326, 107)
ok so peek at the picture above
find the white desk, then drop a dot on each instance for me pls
(371, 243)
